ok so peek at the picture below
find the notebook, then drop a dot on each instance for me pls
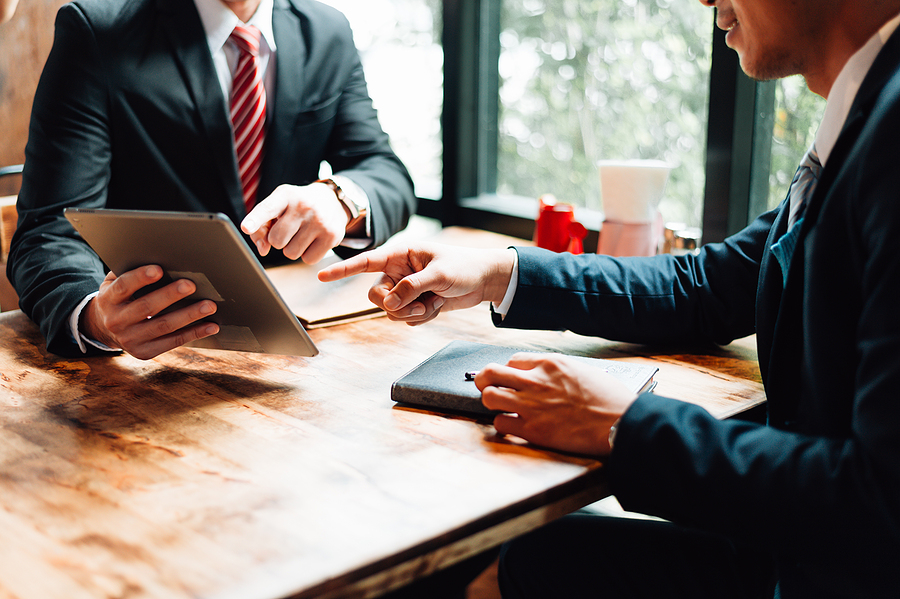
(441, 383)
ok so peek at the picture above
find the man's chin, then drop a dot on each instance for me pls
(766, 70)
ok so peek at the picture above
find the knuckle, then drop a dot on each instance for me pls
(115, 288)
(135, 349)
(142, 307)
(161, 326)
(406, 287)
(192, 333)
(183, 337)
(277, 238)
(490, 369)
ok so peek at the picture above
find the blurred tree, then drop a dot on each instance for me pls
(580, 81)
(584, 80)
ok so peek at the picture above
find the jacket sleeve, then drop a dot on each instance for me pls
(363, 154)
(709, 297)
(818, 505)
(359, 149)
(67, 164)
(820, 489)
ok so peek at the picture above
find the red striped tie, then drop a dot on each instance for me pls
(248, 111)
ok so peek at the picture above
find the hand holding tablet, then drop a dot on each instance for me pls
(207, 250)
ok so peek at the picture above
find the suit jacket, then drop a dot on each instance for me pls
(818, 488)
(129, 114)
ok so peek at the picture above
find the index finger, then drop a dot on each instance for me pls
(267, 210)
(526, 360)
(123, 287)
(517, 371)
(500, 375)
(372, 261)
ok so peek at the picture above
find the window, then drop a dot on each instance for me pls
(401, 53)
(797, 114)
(493, 103)
(582, 81)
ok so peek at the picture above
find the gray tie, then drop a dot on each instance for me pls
(802, 188)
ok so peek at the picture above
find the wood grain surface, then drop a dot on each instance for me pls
(214, 474)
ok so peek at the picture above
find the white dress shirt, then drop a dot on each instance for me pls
(218, 23)
(845, 88)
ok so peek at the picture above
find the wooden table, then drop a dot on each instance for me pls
(215, 474)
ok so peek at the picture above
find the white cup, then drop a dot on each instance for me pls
(630, 190)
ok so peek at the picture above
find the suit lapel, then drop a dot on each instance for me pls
(780, 305)
(191, 52)
(289, 87)
(769, 293)
(780, 311)
(776, 329)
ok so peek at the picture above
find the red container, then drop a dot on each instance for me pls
(555, 228)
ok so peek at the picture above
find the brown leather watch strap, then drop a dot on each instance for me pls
(355, 213)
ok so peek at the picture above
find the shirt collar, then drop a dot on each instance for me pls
(845, 88)
(219, 21)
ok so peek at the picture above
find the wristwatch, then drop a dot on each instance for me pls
(356, 212)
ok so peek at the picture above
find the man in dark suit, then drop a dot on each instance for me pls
(133, 112)
(807, 505)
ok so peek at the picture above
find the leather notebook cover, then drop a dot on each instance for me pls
(440, 381)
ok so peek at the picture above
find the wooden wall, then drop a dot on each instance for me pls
(24, 44)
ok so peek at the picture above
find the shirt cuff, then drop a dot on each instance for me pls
(358, 196)
(75, 332)
(503, 308)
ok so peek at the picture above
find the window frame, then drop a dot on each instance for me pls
(739, 135)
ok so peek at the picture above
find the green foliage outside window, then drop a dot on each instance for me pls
(580, 81)
(585, 80)
(588, 80)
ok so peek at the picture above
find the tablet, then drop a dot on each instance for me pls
(207, 249)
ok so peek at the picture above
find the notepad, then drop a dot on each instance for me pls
(440, 382)
(319, 304)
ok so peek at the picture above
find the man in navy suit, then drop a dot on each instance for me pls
(807, 505)
(132, 112)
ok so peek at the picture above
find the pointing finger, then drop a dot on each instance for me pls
(372, 261)
(267, 210)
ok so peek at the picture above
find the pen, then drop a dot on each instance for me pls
(470, 375)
